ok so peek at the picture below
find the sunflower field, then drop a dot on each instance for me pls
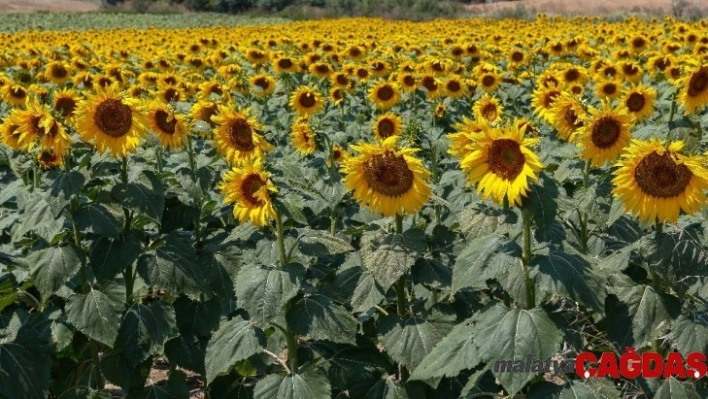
(352, 208)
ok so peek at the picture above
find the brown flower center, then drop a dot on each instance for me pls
(362, 73)
(630, 69)
(605, 132)
(59, 72)
(429, 83)
(609, 89)
(454, 86)
(171, 94)
(490, 112)
(386, 128)
(636, 102)
(285, 63)
(660, 176)
(250, 186)
(506, 159)
(409, 80)
(638, 42)
(550, 98)
(488, 81)
(571, 118)
(342, 80)
(385, 93)
(167, 126)
(388, 174)
(572, 75)
(65, 106)
(698, 83)
(262, 82)
(517, 56)
(241, 135)
(113, 118)
(307, 100)
(206, 113)
(18, 92)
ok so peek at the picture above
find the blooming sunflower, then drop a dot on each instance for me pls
(489, 81)
(236, 136)
(608, 89)
(302, 136)
(36, 124)
(488, 107)
(306, 101)
(432, 86)
(501, 163)
(694, 89)
(639, 100)
(57, 72)
(387, 125)
(65, 102)
(567, 116)
(9, 134)
(249, 188)
(655, 182)
(384, 94)
(542, 101)
(340, 154)
(168, 126)
(605, 133)
(390, 181)
(455, 87)
(407, 81)
(262, 85)
(14, 94)
(465, 132)
(48, 159)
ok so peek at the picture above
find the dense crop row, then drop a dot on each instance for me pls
(354, 208)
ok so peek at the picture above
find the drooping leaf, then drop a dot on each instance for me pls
(173, 266)
(64, 185)
(109, 257)
(481, 220)
(196, 317)
(673, 388)
(367, 294)
(144, 331)
(334, 245)
(389, 256)
(431, 272)
(483, 259)
(690, 334)
(95, 218)
(39, 218)
(236, 340)
(676, 256)
(570, 276)
(543, 206)
(53, 267)
(319, 318)
(310, 385)
(407, 341)
(25, 364)
(263, 290)
(119, 370)
(146, 195)
(96, 314)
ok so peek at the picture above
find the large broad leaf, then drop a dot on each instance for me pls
(387, 389)
(456, 352)
(431, 272)
(234, 341)
(483, 259)
(196, 317)
(64, 185)
(690, 334)
(264, 290)
(39, 218)
(25, 364)
(676, 256)
(482, 220)
(520, 333)
(122, 372)
(672, 388)
(145, 195)
(407, 341)
(144, 331)
(52, 267)
(176, 388)
(310, 385)
(333, 245)
(570, 276)
(543, 206)
(596, 388)
(173, 266)
(319, 318)
(367, 294)
(109, 257)
(390, 256)
(639, 314)
(96, 314)
(95, 218)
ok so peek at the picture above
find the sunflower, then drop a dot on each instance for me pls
(14, 94)
(169, 127)
(639, 100)
(605, 133)
(57, 73)
(262, 85)
(387, 125)
(302, 136)
(65, 102)
(336, 95)
(9, 134)
(48, 159)
(236, 136)
(439, 111)
(631, 71)
(340, 79)
(110, 121)
(489, 81)
(655, 182)
(694, 89)
(384, 94)
(35, 124)
(249, 188)
(466, 131)
(256, 56)
(567, 116)
(306, 101)
(203, 110)
(283, 64)
(542, 101)
(432, 86)
(455, 87)
(340, 155)
(608, 89)
(488, 107)
(390, 181)
(321, 70)
(501, 163)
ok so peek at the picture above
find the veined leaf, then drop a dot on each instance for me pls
(236, 340)
(264, 290)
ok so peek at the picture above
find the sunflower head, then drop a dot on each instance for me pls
(262, 85)
(694, 89)
(302, 136)
(384, 94)
(306, 101)
(249, 189)
(390, 181)
(605, 133)
(169, 127)
(387, 125)
(237, 136)
(488, 108)
(655, 181)
(639, 100)
(65, 102)
(542, 101)
(567, 116)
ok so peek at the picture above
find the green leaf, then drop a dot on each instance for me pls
(639, 315)
(310, 385)
(53, 267)
(173, 266)
(618, 261)
(144, 331)
(513, 337)
(264, 290)
(197, 317)
(431, 272)
(120, 371)
(543, 206)
(39, 218)
(454, 353)
(334, 245)
(367, 294)
(318, 318)
(482, 220)
(570, 276)
(676, 256)
(146, 195)
(63, 187)
(407, 341)
(589, 389)
(96, 219)
(389, 256)
(292, 206)
(690, 334)
(176, 388)
(25, 364)
(188, 352)
(108, 256)
(483, 259)
(236, 340)
(95, 315)
(673, 388)
(387, 389)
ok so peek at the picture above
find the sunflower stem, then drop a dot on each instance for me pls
(158, 158)
(672, 110)
(583, 213)
(281, 239)
(526, 259)
(96, 363)
(292, 344)
(401, 300)
(658, 227)
(124, 170)
(35, 176)
(434, 162)
(190, 153)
